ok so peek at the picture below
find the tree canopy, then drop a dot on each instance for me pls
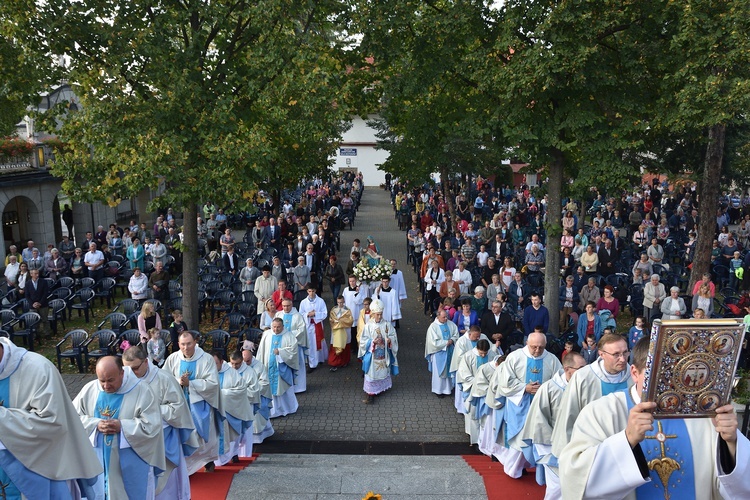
(195, 100)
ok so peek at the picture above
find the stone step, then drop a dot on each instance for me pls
(352, 476)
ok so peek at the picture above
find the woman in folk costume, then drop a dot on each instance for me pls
(341, 335)
(378, 347)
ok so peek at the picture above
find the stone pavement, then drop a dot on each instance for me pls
(317, 477)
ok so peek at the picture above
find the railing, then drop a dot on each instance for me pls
(10, 163)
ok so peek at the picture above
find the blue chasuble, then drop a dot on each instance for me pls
(443, 357)
(276, 370)
(670, 460)
(132, 467)
(515, 415)
(201, 411)
(609, 387)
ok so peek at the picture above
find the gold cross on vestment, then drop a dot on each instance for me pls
(664, 466)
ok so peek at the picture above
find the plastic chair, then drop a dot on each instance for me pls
(128, 307)
(247, 309)
(5, 334)
(166, 336)
(234, 322)
(219, 341)
(105, 290)
(87, 282)
(104, 348)
(7, 319)
(78, 340)
(132, 336)
(81, 301)
(27, 323)
(117, 320)
(57, 308)
(66, 281)
(223, 302)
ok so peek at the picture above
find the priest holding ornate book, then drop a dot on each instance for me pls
(618, 450)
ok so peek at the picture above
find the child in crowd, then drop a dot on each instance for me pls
(570, 346)
(176, 328)
(734, 279)
(155, 347)
(636, 332)
(590, 352)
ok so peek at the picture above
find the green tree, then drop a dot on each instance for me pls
(194, 99)
(20, 82)
(705, 91)
(432, 117)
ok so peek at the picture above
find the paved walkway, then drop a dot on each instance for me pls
(332, 408)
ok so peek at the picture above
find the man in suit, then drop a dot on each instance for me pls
(618, 244)
(498, 326)
(272, 234)
(231, 261)
(35, 291)
(607, 258)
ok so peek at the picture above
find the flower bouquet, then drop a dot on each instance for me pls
(365, 273)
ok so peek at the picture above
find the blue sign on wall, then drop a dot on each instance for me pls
(347, 151)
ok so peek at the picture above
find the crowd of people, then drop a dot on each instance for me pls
(529, 404)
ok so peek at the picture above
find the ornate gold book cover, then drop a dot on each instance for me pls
(691, 365)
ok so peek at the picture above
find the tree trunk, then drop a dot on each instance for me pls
(553, 228)
(709, 194)
(190, 267)
(449, 196)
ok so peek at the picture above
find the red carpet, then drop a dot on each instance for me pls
(498, 485)
(210, 486)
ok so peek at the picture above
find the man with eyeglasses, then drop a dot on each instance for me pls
(619, 450)
(545, 408)
(608, 374)
(518, 379)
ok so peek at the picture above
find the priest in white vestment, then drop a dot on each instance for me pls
(485, 386)
(196, 373)
(378, 348)
(123, 420)
(262, 427)
(354, 296)
(278, 352)
(397, 281)
(464, 344)
(442, 335)
(520, 376)
(180, 438)
(545, 408)
(295, 323)
(38, 426)
(618, 450)
(391, 302)
(252, 388)
(238, 412)
(610, 373)
(469, 366)
(315, 311)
